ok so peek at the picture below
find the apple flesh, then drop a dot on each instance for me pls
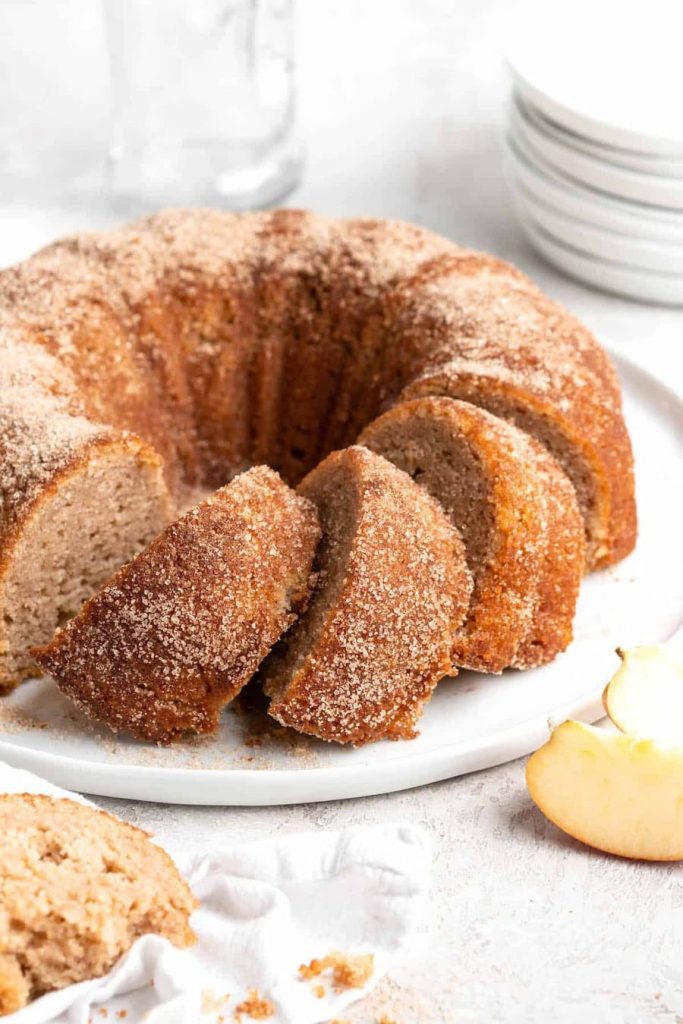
(618, 793)
(645, 695)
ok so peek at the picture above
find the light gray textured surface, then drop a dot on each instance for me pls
(402, 107)
(524, 924)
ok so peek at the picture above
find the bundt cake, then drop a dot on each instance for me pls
(78, 888)
(518, 516)
(179, 630)
(208, 342)
(392, 587)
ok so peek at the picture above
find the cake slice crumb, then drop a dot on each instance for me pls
(351, 971)
(348, 971)
(255, 1007)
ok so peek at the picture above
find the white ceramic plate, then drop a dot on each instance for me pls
(608, 70)
(644, 163)
(631, 282)
(585, 204)
(651, 189)
(633, 252)
(472, 723)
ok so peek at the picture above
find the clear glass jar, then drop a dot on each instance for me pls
(203, 102)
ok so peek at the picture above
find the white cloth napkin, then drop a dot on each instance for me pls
(265, 908)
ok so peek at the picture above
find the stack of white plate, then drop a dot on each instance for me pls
(595, 145)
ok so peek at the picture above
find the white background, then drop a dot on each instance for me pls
(402, 106)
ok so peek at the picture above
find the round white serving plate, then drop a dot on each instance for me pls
(611, 276)
(473, 722)
(606, 245)
(650, 189)
(585, 204)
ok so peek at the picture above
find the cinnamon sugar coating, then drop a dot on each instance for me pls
(518, 516)
(564, 563)
(392, 587)
(224, 340)
(178, 631)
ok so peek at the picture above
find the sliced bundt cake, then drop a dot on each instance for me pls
(78, 888)
(225, 340)
(392, 587)
(179, 630)
(518, 517)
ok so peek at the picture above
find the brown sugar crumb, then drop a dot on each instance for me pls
(254, 1007)
(347, 971)
(319, 991)
(386, 1020)
(122, 1014)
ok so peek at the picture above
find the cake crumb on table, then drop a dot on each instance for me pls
(347, 971)
(352, 971)
(312, 970)
(255, 1007)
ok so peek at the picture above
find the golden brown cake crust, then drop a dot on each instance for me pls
(392, 588)
(179, 630)
(78, 887)
(551, 628)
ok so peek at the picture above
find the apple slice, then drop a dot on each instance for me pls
(618, 793)
(645, 695)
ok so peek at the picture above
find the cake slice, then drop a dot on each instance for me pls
(518, 516)
(392, 588)
(78, 888)
(178, 631)
(106, 499)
